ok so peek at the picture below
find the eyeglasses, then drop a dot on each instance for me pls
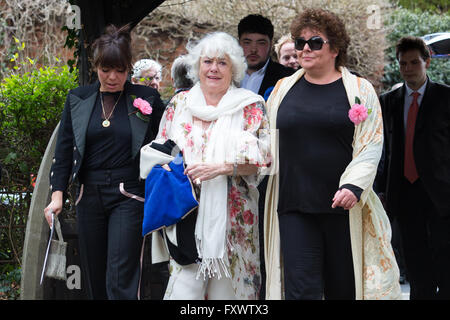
(149, 79)
(314, 43)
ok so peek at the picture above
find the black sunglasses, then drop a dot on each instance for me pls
(314, 43)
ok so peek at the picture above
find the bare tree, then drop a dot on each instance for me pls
(37, 24)
(363, 19)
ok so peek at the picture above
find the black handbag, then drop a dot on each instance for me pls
(185, 252)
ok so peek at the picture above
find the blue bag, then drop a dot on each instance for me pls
(169, 196)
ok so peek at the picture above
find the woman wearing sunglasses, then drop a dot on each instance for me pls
(322, 216)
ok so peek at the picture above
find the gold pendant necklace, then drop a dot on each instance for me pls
(106, 123)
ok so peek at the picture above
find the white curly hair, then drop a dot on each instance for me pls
(146, 64)
(217, 45)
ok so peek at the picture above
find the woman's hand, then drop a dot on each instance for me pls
(203, 171)
(55, 206)
(344, 198)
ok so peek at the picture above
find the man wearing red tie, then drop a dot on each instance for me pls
(417, 170)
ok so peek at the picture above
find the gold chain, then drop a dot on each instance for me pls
(106, 123)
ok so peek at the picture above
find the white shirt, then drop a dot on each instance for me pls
(409, 99)
(253, 81)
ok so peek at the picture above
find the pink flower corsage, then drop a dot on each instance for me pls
(358, 112)
(144, 108)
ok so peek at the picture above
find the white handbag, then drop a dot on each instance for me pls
(55, 256)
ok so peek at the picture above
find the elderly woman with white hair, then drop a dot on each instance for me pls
(221, 130)
(147, 72)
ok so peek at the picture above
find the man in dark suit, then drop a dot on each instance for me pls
(255, 37)
(416, 175)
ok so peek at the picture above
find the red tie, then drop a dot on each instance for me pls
(410, 166)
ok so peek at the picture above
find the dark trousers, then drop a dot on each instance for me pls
(426, 244)
(317, 256)
(261, 204)
(109, 229)
(397, 247)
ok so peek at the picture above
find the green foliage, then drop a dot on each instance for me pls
(437, 6)
(72, 42)
(414, 23)
(9, 282)
(30, 108)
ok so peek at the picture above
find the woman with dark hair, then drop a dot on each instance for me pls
(320, 207)
(103, 127)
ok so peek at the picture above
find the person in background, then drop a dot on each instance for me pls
(417, 170)
(255, 37)
(286, 53)
(147, 72)
(98, 145)
(221, 130)
(179, 72)
(322, 215)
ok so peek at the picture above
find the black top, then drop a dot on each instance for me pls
(70, 150)
(316, 136)
(110, 147)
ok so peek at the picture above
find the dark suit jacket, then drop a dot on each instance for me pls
(70, 145)
(274, 72)
(431, 146)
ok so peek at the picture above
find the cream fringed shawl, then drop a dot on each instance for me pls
(376, 270)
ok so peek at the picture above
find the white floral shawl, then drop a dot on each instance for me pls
(375, 267)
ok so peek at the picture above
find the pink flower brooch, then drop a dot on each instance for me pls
(144, 108)
(358, 112)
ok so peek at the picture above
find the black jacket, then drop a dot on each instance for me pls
(431, 146)
(70, 144)
(274, 72)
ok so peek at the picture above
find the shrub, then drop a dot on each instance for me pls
(30, 108)
(414, 23)
(10, 283)
(437, 6)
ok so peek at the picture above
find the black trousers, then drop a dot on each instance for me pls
(317, 256)
(426, 244)
(109, 230)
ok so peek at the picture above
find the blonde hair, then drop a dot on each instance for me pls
(284, 39)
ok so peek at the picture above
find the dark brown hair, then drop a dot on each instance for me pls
(255, 23)
(412, 43)
(113, 48)
(327, 23)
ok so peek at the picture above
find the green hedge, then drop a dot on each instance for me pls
(437, 6)
(30, 108)
(414, 23)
